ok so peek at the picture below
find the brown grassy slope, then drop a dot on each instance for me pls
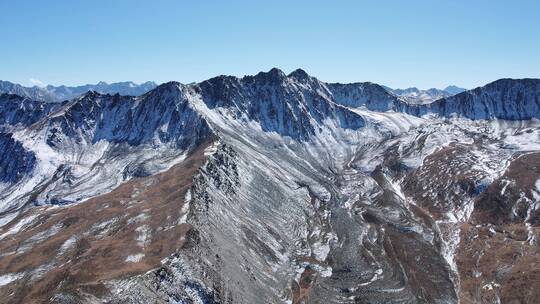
(140, 219)
(496, 256)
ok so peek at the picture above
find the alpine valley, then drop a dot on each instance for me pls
(271, 188)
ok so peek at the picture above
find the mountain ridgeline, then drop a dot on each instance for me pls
(52, 93)
(418, 96)
(270, 188)
(295, 105)
(290, 105)
(511, 99)
(163, 115)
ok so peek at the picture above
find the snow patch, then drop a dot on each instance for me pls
(211, 149)
(320, 250)
(8, 218)
(10, 277)
(137, 219)
(143, 235)
(68, 244)
(21, 225)
(134, 258)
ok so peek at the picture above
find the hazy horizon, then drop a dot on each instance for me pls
(400, 45)
(44, 85)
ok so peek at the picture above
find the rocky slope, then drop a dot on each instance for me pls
(17, 111)
(273, 188)
(509, 99)
(369, 95)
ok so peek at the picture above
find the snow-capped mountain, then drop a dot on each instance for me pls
(414, 95)
(21, 111)
(123, 88)
(294, 106)
(370, 95)
(271, 188)
(511, 99)
(35, 93)
(61, 93)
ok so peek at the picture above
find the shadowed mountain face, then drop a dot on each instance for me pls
(503, 99)
(271, 188)
(19, 111)
(293, 106)
(13, 169)
(367, 94)
(509, 99)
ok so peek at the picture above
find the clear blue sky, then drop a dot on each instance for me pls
(397, 43)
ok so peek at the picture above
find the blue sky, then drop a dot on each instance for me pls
(396, 43)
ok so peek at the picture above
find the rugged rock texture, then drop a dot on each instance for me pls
(67, 253)
(291, 106)
(89, 145)
(273, 188)
(163, 115)
(511, 99)
(12, 169)
(370, 95)
(19, 111)
(498, 256)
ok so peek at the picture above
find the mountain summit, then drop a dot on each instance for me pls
(271, 188)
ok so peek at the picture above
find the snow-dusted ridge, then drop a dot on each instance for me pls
(306, 191)
(52, 93)
(414, 95)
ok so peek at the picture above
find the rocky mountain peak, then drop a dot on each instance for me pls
(508, 99)
(299, 74)
(189, 191)
(363, 94)
(168, 86)
(90, 94)
(528, 84)
(274, 76)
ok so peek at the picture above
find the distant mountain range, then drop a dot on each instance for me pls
(418, 96)
(60, 93)
(51, 93)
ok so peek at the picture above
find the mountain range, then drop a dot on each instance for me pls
(271, 188)
(51, 93)
(415, 95)
(60, 93)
